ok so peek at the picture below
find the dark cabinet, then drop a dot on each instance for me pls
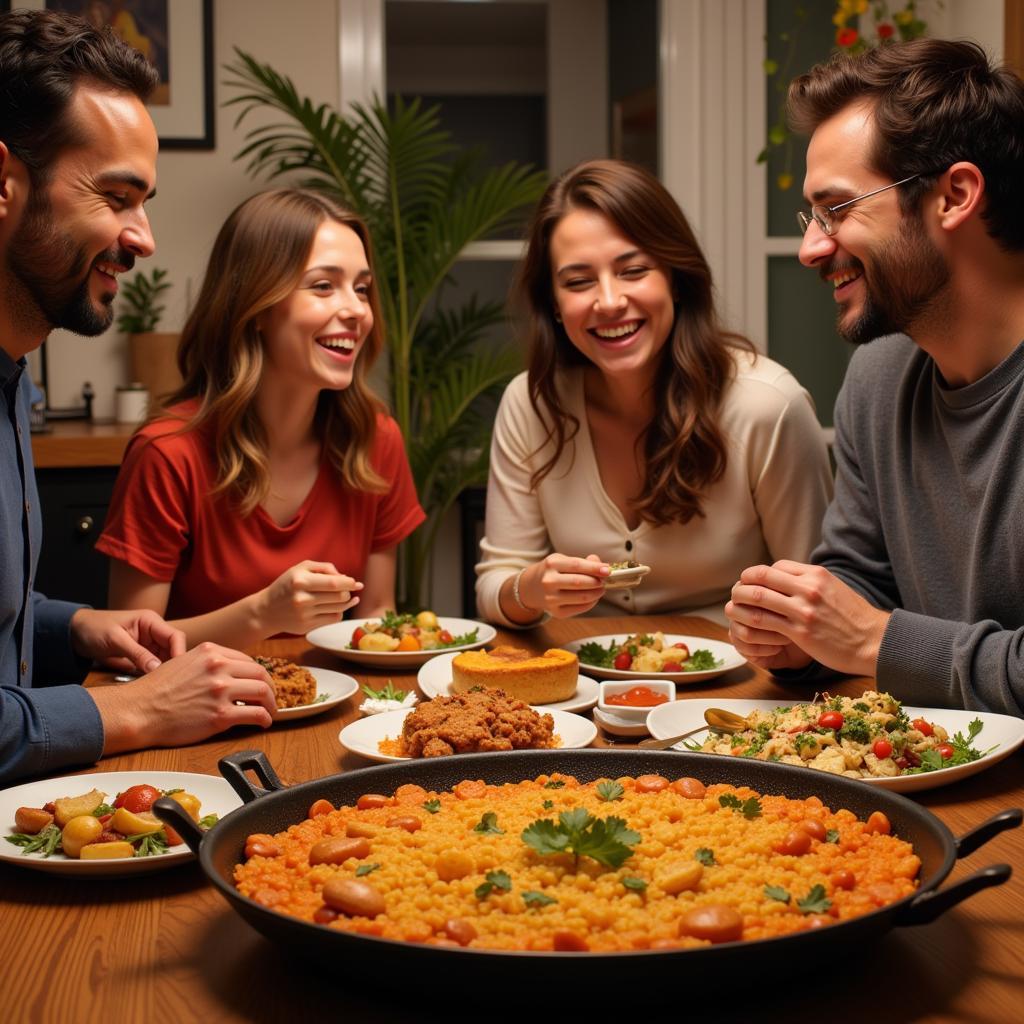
(74, 504)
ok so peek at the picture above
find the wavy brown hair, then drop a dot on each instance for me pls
(258, 259)
(683, 450)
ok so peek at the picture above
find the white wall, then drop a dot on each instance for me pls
(196, 189)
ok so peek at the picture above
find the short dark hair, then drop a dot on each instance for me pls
(44, 55)
(936, 101)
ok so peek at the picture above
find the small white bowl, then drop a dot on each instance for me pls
(616, 725)
(610, 688)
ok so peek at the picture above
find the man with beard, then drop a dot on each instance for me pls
(77, 163)
(915, 178)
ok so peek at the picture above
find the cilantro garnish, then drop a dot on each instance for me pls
(776, 892)
(832, 836)
(532, 898)
(320, 698)
(749, 808)
(366, 869)
(494, 880)
(701, 661)
(387, 692)
(815, 902)
(963, 752)
(548, 804)
(610, 791)
(554, 784)
(593, 653)
(489, 824)
(607, 840)
(464, 638)
(634, 884)
(706, 857)
(431, 806)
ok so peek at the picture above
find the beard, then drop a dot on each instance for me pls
(46, 270)
(907, 274)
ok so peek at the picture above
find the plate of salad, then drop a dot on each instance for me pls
(872, 737)
(398, 640)
(102, 823)
(683, 659)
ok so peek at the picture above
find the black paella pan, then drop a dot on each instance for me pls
(275, 807)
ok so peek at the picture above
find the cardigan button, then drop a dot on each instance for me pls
(24, 667)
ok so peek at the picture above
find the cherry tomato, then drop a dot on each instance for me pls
(882, 749)
(815, 829)
(946, 750)
(445, 637)
(138, 798)
(357, 634)
(923, 727)
(844, 879)
(671, 666)
(173, 839)
(623, 660)
(830, 720)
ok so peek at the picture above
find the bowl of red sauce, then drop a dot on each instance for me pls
(635, 700)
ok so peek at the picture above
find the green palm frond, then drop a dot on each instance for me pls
(424, 200)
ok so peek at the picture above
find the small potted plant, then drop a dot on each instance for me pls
(153, 354)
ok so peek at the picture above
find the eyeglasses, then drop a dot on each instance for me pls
(825, 216)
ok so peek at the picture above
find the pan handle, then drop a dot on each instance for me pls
(234, 766)
(930, 905)
(172, 813)
(970, 841)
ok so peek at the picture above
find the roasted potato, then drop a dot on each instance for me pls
(378, 642)
(30, 821)
(78, 832)
(104, 851)
(68, 807)
(129, 824)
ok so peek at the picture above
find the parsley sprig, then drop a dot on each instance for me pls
(488, 824)
(494, 880)
(815, 902)
(610, 791)
(749, 808)
(964, 752)
(607, 840)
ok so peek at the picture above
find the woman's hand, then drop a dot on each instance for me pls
(561, 585)
(307, 595)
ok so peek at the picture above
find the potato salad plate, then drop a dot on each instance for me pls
(341, 639)
(683, 659)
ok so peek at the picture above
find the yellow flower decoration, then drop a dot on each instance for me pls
(904, 17)
(839, 18)
(784, 181)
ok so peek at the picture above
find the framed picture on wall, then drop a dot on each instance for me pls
(177, 38)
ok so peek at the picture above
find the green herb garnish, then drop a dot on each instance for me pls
(320, 698)
(701, 661)
(815, 902)
(634, 884)
(494, 880)
(554, 784)
(832, 836)
(963, 752)
(387, 692)
(207, 821)
(431, 806)
(489, 824)
(607, 840)
(532, 898)
(366, 869)
(105, 809)
(593, 653)
(706, 857)
(776, 892)
(749, 808)
(465, 638)
(149, 843)
(548, 804)
(610, 791)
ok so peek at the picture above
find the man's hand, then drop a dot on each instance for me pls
(139, 640)
(305, 596)
(784, 615)
(185, 700)
(563, 586)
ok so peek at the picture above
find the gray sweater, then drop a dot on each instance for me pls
(928, 519)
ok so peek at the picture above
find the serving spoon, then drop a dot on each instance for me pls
(717, 718)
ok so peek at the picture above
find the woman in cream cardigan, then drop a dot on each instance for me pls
(642, 430)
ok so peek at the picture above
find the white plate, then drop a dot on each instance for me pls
(338, 636)
(435, 679)
(1003, 732)
(335, 687)
(363, 736)
(214, 793)
(723, 652)
(623, 579)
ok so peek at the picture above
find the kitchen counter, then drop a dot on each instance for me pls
(75, 443)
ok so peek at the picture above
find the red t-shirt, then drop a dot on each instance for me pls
(163, 522)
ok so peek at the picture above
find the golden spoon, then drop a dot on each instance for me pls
(717, 718)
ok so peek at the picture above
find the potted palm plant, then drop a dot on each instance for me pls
(424, 201)
(153, 354)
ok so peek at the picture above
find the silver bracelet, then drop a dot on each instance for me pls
(515, 592)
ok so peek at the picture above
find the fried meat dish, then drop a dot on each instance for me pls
(479, 720)
(293, 684)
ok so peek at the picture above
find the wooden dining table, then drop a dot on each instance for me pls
(165, 946)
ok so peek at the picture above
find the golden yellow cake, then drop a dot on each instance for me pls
(534, 678)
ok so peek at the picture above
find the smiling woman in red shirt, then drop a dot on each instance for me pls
(269, 493)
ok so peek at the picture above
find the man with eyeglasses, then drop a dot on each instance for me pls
(915, 179)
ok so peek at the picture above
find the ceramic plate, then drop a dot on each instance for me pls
(725, 653)
(338, 636)
(619, 725)
(435, 679)
(363, 736)
(214, 793)
(1003, 732)
(331, 689)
